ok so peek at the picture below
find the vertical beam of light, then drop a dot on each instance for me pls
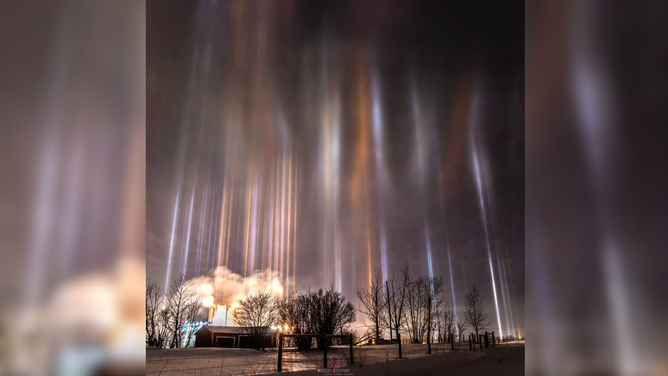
(210, 254)
(222, 223)
(452, 286)
(43, 211)
(171, 242)
(330, 168)
(360, 176)
(249, 195)
(229, 228)
(594, 91)
(420, 139)
(337, 250)
(282, 221)
(202, 219)
(368, 252)
(276, 213)
(264, 241)
(294, 246)
(253, 246)
(76, 165)
(380, 167)
(335, 148)
(190, 221)
(266, 252)
(183, 137)
(489, 252)
(289, 223)
(505, 295)
(511, 313)
(431, 270)
(207, 234)
(270, 246)
(48, 166)
(183, 145)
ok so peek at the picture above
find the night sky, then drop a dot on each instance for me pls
(324, 140)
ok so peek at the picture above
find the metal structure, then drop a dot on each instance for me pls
(279, 367)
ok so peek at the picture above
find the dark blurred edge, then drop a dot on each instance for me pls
(72, 187)
(595, 175)
(596, 187)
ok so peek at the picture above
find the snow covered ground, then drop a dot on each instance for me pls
(374, 360)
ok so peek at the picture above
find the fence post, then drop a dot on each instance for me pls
(352, 360)
(471, 348)
(280, 353)
(480, 340)
(452, 342)
(325, 351)
(486, 340)
(493, 340)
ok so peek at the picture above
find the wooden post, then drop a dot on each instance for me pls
(352, 360)
(452, 342)
(471, 348)
(325, 361)
(280, 353)
(493, 340)
(486, 341)
(480, 340)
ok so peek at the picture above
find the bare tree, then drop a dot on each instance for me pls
(474, 312)
(416, 320)
(181, 308)
(191, 315)
(295, 312)
(330, 312)
(461, 327)
(431, 304)
(448, 319)
(373, 305)
(317, 312)
(255, 312)
(398, 288)
(438, 325)
(162, 330)
(155, 297)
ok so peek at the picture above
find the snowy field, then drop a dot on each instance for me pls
(233, 362)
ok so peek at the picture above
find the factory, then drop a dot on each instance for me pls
(234, 336)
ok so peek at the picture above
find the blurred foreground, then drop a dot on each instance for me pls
(595, 188)
(72, 193)
(72, 167)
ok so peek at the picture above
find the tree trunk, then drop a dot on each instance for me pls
(398, 341)
(429, 339)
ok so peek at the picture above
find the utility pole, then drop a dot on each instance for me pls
(389, 309)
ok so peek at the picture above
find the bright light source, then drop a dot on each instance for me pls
(207, 301)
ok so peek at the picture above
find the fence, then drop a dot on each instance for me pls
(325, 337)
(487, 339)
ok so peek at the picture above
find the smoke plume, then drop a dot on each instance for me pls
(224, 287)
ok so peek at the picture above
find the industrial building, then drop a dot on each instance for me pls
(234, 336)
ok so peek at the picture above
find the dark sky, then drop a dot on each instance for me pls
(354, 135)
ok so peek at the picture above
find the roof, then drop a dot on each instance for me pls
(230, 329)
